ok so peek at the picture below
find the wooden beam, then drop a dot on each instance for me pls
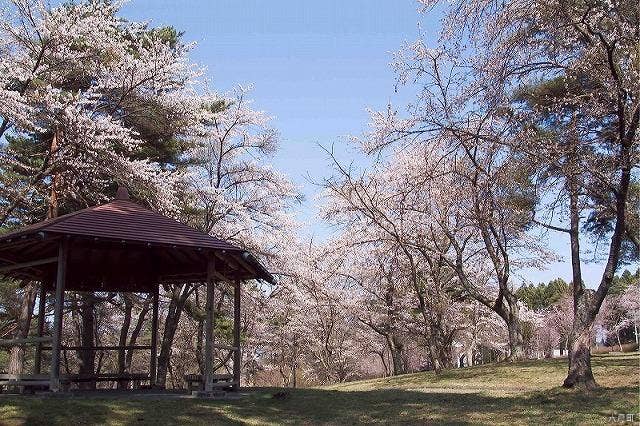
(237, 355)
(227, 347)
(246, 265)
(223, 278)
(29, 264)
(25, 341)
(153, 360)
(105, 348)
(63, 250)
(208, 331)
(226, 259)
(24, 376)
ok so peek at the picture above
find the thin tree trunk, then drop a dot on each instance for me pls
(136, 333)
(618, 337)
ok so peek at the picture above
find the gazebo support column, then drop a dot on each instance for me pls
(57, 315)
(42, 300)
(209, 321)
(153, 360)
(237, 354)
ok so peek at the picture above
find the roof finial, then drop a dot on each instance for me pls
(122, 193)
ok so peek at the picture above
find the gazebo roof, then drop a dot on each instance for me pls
(140, 244)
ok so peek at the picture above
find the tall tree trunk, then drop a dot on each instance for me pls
(516, 341)
(199, 335)
(294, 364)
(16, 358)
(514, 327)
(580, 350)
(179, 295)
(53, 202)
(87, 339)
(396, 349)
(580, 337)
(124, 332)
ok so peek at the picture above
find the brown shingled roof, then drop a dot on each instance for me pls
(126, 220)
(123, 221)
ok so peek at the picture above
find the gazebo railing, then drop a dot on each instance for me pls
(37, 379)
(31, 340)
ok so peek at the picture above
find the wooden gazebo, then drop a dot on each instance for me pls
(123, 247)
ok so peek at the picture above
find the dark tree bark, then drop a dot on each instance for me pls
(16, 357)
(396, 349)
(87, 365)
(580, 337)
(587, 304)
(124, 332)
(179, 295)
(136, 332)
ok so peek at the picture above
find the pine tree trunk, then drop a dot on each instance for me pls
(53, 202)
(16, 357)
(580, 373)
(579, 341)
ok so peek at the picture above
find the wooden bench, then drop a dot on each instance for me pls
(195, 381)
(67, 379)
(103, 377)
(26, 381)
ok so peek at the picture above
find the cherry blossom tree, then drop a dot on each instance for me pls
(88, 100)
(84, 85)
(582, 58)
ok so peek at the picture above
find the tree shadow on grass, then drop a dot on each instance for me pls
(322, 406)
(405, 406)
(319, 406)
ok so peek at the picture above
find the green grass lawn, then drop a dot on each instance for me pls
(519, 393)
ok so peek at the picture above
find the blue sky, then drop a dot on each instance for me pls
(316, 66)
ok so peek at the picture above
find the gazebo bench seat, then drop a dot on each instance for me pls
(195, 381)
(102, 377)
(26, 380)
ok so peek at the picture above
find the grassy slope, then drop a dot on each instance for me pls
(525, 392)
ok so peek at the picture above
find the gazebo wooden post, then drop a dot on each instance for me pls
(57, 316)
(153, 360)
(237, 355)
(209, 321)
(42, 299)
